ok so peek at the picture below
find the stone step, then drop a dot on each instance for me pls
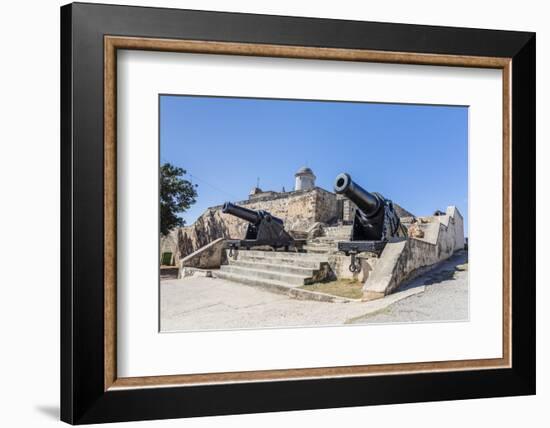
(270, 285)
(312, 263)
(320, 249)
(284, 278)
(323, 241)
(343, 232)
(278, 255)
(320, 245)
(276, 267)
(328, 243)
(343, 237)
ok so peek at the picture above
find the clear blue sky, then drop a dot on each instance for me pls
(416, 155)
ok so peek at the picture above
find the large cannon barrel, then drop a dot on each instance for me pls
(251, 216)
(367, 202)
(243, 213)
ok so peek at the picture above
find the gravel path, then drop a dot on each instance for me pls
(444, 299)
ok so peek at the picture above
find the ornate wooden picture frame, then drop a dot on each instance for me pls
(91, 390)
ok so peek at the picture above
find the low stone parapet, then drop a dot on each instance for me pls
(402, 260)
(211, 256)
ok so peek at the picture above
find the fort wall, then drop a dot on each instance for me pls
(298, 209)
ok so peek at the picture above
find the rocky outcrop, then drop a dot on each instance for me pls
(211, 225)
(414, 230)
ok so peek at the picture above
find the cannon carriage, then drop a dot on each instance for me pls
(263, 229)
(375, 223)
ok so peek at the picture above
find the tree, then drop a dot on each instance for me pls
(176, 196)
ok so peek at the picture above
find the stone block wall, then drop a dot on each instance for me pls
(299, 210)
(327, 208)
(349, 208)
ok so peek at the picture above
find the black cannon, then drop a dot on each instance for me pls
(375, 220)
(263, 229)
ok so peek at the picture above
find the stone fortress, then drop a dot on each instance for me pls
(321, 218)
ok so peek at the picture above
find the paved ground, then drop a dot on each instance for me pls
(197, 303)
(445, 297)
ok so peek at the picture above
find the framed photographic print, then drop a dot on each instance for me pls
(266, 213)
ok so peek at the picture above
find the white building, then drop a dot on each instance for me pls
(305, 179)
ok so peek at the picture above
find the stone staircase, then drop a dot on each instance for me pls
(321, 246)
(274, 270)
(283, 271)
(328, 244)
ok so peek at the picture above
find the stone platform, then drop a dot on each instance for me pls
(432, 239)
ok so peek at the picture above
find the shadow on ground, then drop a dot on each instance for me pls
(445, 297)
(446, 271)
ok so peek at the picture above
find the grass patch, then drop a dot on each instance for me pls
(349, 288)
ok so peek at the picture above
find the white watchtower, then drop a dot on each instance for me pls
(305, 179)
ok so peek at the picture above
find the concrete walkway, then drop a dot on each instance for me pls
(200, 303)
